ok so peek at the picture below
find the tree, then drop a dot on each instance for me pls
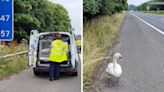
(132, 7)
(143, 6)
(94, 8)
(38, 14)
(91, 8)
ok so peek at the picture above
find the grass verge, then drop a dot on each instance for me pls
(4, 50)
(9, 66)
(154, 12)
(98, 37)
(12, 65)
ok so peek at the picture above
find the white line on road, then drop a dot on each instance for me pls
(160, 31)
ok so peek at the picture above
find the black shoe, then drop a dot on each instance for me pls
(56, 78)
(51, 79)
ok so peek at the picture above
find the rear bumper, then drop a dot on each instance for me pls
(62, 69)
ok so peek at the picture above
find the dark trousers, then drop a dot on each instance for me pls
(54, 72)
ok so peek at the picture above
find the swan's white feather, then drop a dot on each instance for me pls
(110, 70)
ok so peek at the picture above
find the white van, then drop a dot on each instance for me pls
(39, 50)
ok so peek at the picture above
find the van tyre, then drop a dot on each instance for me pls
(36, 73)
(74, 74)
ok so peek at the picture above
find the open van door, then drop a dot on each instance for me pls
(74, 52)
(33, 45)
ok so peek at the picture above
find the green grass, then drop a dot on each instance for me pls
(9, 66)
(4, 50)
(12, 65)
(154, 12)
(98, 37)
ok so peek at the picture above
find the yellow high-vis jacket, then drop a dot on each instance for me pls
(58, 51)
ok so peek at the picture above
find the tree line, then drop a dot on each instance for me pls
(143, 6)
(92, 8)
(42, 15)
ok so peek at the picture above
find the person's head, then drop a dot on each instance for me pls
(58, 36)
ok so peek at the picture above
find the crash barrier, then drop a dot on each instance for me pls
(12, 55)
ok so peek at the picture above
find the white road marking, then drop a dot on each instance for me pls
(158, 30)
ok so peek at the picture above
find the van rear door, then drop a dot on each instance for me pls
(33, 47)
(74, 52)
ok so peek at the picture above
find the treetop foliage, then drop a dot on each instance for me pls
(41, 15)
(143, 6)
(92, 8)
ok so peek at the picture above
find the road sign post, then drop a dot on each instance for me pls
(6, 20)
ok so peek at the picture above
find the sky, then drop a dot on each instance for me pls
(74, 8)
(136, 2)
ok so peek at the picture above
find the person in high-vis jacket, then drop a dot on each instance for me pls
(58, 54)
(78, 43)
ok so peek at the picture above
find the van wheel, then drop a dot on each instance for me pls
(75, 74)
(36, 73)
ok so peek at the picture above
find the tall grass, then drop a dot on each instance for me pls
(14, 64)
(4, 50)
(98, 37)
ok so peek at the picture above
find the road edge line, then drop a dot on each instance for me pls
(158, 30)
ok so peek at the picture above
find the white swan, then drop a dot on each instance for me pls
(114, 69)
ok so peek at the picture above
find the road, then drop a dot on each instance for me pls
(25, 81)
(142, 48)
(154, 19)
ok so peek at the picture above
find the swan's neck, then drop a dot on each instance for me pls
(114, 63)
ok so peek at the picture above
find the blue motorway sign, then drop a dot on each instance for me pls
(6, 20)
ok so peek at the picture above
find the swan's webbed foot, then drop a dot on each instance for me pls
(109, 82)
(117, 82)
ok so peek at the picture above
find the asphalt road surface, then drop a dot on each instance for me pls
(142, 48)
(25, 81)
(153, 19)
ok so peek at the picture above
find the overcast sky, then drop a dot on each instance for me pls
(136, 2)
(74, 8)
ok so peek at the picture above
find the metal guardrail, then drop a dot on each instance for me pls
(11, 55)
